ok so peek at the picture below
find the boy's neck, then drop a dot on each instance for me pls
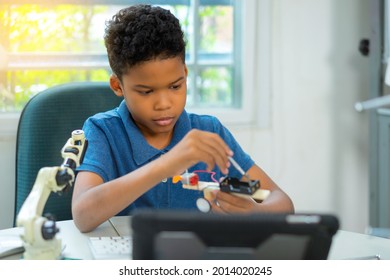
(159, 141)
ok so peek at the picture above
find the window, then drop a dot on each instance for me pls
(43, 44)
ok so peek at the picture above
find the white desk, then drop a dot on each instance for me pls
(346, 245)
(351, 245)
(74, 242)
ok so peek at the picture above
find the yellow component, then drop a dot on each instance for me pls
(176, 179)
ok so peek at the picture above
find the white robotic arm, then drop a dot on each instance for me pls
(39, 232)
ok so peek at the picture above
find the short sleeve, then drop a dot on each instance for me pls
(98, 157)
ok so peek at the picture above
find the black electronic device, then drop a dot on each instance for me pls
(186, 235)
(234, 185)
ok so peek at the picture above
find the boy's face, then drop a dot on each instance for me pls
(155, 93)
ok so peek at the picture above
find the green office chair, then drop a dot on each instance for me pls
(46, 123)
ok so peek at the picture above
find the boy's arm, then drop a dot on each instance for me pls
(94, 201)
(277, 200)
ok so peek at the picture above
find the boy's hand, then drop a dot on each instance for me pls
(200, 146)
(222, 202)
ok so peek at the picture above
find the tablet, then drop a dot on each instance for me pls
(182, 235)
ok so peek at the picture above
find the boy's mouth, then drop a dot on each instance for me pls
(164, 121)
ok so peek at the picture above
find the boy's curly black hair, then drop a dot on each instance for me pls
(141, 33)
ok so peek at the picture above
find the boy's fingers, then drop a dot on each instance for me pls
(219, 151)
(209, 148)
(232, 203)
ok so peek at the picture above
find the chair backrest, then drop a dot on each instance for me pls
(45, 124)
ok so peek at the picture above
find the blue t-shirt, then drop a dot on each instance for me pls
(116, 147)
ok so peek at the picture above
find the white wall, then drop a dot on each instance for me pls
(315, 145)
(321, 142)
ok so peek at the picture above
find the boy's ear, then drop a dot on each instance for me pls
(115, 85)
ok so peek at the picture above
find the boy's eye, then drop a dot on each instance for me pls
(175, 86)
(145, 92)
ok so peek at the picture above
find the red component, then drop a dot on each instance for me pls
(194, 179)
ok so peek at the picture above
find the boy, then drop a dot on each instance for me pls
(136, 149)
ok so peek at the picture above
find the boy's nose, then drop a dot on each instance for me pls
(162, 101)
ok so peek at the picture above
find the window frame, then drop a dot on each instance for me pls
(256, 75)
